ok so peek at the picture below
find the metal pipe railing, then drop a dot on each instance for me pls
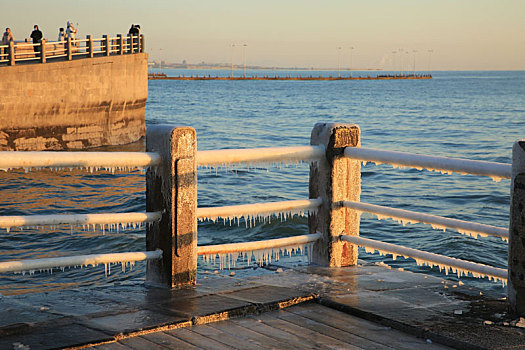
(258, 209)
(461, 267)
(259, 155)
(437, 222)
(27, 160)
(8, 222)
(434, 163)
(77, 260)
(257, 245)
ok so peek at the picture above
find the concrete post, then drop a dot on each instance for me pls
(120, 44)
(130, 43)
(335, 179)
(106, 45)
(516, 264)
(11, 53)
(69, 49)
(89, 46)
(43, 50)
(172, 189)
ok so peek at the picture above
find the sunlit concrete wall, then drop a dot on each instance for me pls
(75, 104)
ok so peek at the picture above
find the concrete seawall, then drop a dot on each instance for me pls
(75, 104)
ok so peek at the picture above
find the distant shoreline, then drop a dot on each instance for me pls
(162, 76)
(214, 67)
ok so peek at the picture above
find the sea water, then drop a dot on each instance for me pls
(474, 115)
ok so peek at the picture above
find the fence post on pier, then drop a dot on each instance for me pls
(130, 43)
(69, 48)
(335, 179)
(89, 45)
(172, 189)
(43, 50)
(516, 263)
(107, 47)
(11, 53)
(120, 44)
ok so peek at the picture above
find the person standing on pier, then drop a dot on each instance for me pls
(6, 38)
(61, 34)
(71, 32)
(36, 35)
(134, 33)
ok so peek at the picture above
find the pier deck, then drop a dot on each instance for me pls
(371, 302)
(304, 326)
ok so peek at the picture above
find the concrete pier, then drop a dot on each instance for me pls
(66, 105)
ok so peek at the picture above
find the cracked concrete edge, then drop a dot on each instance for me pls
(401, 326)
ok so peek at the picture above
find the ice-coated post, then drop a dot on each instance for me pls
(69, 48)
(335, 178)
(516, 264)
(89, 46)
(172, 189)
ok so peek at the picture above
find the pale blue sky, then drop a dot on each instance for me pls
(464, 34)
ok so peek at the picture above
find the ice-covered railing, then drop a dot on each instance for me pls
(103, 221)
(496, 171)
(88, 161)
(259, 155)
(262, 251)
(83, 160)
(252, 212)
(335, 186)
(48, 264)
(437, 222)
(445, 263)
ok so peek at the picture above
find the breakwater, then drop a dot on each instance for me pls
(79, 99)
(162, 76)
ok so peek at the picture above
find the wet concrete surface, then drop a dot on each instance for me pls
(426, 306)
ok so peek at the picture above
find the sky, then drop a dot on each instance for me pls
(440, 34)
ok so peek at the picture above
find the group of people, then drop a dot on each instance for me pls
(36, 35)
(69, 32)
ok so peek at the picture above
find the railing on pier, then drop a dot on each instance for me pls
(334, 206)
(88, 161)
(69, 49)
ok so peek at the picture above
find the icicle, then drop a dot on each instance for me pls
(250, 220)
(252, 166)
(442, 171)
(442, 267)
(261, 257)
(404, 221)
